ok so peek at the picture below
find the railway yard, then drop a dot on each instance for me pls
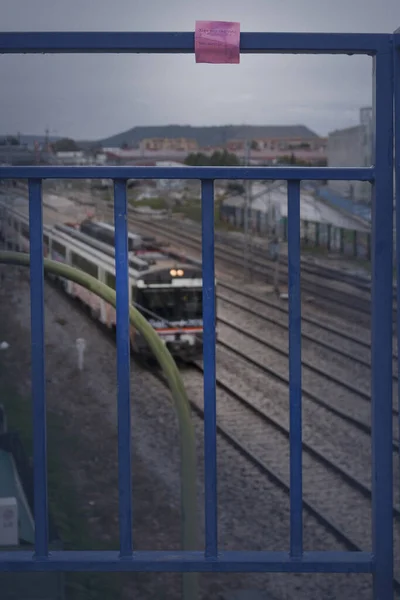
(253, 418)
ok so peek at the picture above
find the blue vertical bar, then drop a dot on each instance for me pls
(296, 484)
(209, 340)
(38, 367)
(396, 71)
(381, 335)
(123, 369)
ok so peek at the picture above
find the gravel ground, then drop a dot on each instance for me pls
(318, 423)
(330, 361)
(274, 309)
(252, 512)
(321, 357)
(352, 514)
(332, 393)
(323, 431)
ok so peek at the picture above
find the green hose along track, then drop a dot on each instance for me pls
(178, 392)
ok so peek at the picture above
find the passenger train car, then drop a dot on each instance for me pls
(166, 290)
(105, 233)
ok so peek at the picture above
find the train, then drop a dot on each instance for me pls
(164, 286)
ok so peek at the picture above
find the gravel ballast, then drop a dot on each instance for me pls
(253, 514)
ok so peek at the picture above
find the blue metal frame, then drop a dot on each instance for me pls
(38, 367)
(396, 69)
(209, 340)
(380, 561)
(210, 173)
(123, 368)
(381, 333)
(296, 486)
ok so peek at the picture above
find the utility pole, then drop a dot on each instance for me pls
(276, 247)
(247, 204)
(273, 227)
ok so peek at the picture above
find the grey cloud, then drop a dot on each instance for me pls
(94, 96)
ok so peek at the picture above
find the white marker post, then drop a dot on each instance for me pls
(81, 347)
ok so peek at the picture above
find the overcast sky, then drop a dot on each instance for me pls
(93, 96)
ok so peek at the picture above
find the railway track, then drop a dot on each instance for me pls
(341, 342)
(347, 410)
(340, 301)
(356, 280)
(338, 384)
(255, 480)
(361, 282)
(349, 276)
(331, 296)
(356, 404)
(255, 434)
(264, 442)
(235, 248)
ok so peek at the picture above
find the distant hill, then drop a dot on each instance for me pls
(206, 136)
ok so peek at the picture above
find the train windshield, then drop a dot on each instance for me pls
(171, 304)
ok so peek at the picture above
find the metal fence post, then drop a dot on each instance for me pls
(381, 333)
(396, 72)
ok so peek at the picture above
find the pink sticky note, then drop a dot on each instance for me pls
(217, 42)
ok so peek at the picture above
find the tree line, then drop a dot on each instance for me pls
(219, 158)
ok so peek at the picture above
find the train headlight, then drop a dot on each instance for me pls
(179, 272)
(172, 272)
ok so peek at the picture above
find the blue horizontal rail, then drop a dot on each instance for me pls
(178, 562)
(111, 172)
(183, 42)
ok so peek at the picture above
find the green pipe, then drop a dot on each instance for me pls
(179, 398)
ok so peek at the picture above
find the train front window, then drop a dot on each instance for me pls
(190, 303)
(171, 304)
(157, 303)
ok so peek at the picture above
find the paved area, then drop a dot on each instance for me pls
(56, 209)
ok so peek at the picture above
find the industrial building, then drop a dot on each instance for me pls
(321, 225)
(268, 205)
(22, 155)
(352, 147)
(75, 157)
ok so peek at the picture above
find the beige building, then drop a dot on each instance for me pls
(166, 144)
(277, 146)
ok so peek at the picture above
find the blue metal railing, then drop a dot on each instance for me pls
(379, 562)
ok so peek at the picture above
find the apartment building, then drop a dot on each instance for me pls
(168, 144)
